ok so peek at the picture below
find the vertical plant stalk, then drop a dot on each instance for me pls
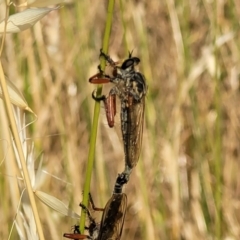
(93, 135)
(14, 131)
(17, 141)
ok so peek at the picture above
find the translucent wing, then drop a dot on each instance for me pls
(133, 136)
(113, 218)
(133, 119)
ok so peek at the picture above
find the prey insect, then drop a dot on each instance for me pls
(130, 86)
(113, 216)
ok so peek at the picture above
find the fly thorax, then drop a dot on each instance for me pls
(119, 73)
(121, 89)
(136, 91)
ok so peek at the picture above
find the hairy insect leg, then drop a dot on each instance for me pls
(110, 108)
(76, 229)
(99, 78)
(76, 234)
(98, 99)
(91, 219)
(93, 205)
(109, 105)
(107, 58)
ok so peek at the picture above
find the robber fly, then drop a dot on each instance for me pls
(130, 86)
(111, 225)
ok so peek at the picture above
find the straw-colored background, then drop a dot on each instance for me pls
(186, 185)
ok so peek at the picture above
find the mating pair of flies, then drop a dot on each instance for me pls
(130, 87)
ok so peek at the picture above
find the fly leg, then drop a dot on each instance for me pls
(107, 58)
(91, 219)
(75, 229)
(93, 226)
(99, 78)
(76, 236)
(109, 105)
(93, 205)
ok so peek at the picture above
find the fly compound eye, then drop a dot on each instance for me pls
(136, 60)
(130, 62)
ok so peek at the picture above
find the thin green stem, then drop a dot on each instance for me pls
(93, 136)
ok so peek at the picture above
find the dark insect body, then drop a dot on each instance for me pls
(111, 225)
(130, 86)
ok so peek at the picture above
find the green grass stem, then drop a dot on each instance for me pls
(93, 135)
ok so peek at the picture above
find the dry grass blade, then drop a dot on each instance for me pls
(44, 3)
(21, 21)
(16, 96)
(56, 204)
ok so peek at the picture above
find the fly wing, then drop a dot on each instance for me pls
(120, 223)
(113, 218)
(132, 138)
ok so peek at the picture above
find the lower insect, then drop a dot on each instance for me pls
(113, 216)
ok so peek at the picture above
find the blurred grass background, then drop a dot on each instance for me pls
(186, 185)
